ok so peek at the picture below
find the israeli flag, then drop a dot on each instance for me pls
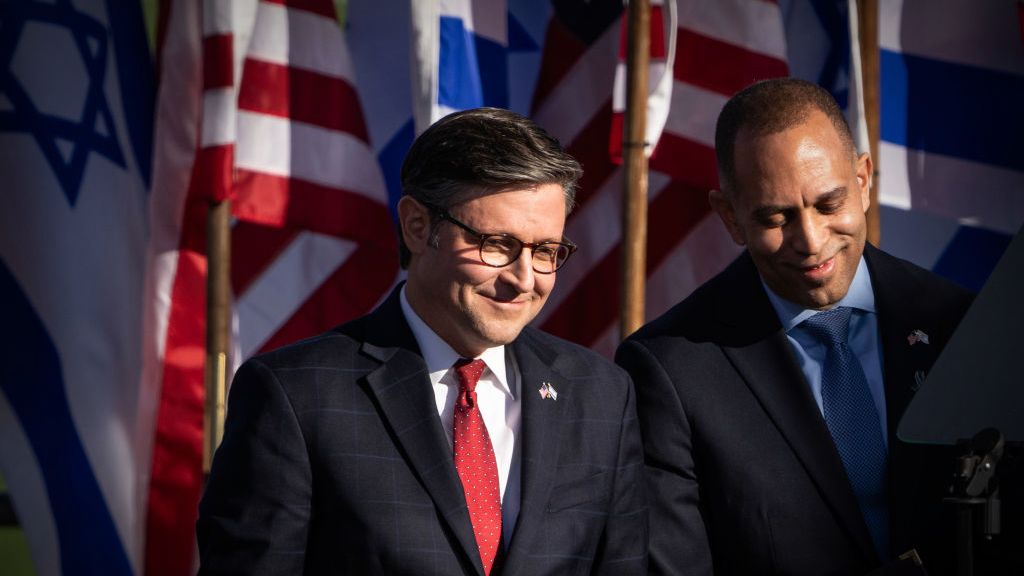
(951, 175)
(460, 54)
(76, 100)
(952, 180)
(822, 46)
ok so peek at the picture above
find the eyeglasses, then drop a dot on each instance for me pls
(499, 250)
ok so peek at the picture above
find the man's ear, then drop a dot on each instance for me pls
(414, 222)
(865, 169)
(722, 206)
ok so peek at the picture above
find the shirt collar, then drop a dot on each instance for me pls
(440, 356)
(860, 296)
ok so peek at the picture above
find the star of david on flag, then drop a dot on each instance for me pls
(75, 129)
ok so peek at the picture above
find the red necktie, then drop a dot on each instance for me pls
(474, 460)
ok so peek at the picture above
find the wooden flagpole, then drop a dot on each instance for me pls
(634, 200)
(867, 29)
(218, 325)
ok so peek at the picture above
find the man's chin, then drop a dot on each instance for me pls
(820, 298)
(497, 332)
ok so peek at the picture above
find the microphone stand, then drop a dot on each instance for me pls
(976, 489)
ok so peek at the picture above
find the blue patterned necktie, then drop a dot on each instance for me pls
(852, 418)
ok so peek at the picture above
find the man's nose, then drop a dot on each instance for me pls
(809, 233)
(521, 273)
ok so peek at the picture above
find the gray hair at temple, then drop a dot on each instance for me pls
(768, 107)
(483, 151)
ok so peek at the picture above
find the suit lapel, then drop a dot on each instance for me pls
(761, 353)
(904, 367)
(542, 424)
(897, 318)
(403, 391)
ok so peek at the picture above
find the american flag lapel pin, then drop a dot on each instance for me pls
(548, 391)
(917, 336)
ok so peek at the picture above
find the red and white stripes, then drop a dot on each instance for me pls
(315, 240)
(257, 103)
(659, 93)
(721, 46)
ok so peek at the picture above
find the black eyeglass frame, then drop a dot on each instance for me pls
(482, 238)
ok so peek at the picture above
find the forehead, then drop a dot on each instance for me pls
(525, 211)
(809, 158)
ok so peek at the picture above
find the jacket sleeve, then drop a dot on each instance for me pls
(679, 540)
(623, 548)
(254, 516)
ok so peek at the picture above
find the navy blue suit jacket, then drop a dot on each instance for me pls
(743, 475)
(334, 461)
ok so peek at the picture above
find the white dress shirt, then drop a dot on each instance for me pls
(498, 397)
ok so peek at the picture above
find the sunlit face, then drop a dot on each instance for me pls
(471, 305)
(799, 209)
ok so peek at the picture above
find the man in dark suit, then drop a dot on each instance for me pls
(440, 434)
(769, 399)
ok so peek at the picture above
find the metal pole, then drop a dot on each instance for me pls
(634, 212)
(867, 12)
(218, 321)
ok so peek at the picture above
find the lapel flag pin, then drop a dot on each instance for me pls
(548, 391)
(917, 336)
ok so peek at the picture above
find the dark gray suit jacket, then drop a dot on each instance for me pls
(334, 461)
(743, 475)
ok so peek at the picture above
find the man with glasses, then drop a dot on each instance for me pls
(440, 434)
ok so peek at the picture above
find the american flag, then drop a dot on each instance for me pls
(660, 80)
(312, 239)
(256, 104)
(548, 391)
(274, 124)
(721, 46)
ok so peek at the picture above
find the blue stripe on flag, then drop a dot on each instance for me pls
(952, 109)
(31, 379)
(971, 256)
(391, 158)
(135, 75)
(458, 79)
(493, 60)
(519, 40)
(835, 70)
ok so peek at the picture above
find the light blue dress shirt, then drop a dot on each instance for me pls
(863, 339)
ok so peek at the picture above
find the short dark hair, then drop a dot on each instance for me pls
(769, 107)
(483, 151)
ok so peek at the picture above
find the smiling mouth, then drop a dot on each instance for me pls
(819, 271)
(507, 302)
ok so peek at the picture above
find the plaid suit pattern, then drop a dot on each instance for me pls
(334, 461)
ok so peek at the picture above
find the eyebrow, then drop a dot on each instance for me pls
(769, 210)
(466, 228)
